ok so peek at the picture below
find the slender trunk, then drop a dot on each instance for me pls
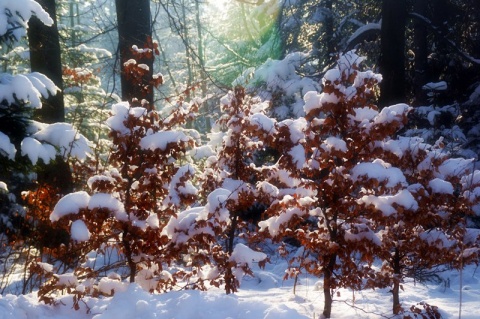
(281, 32)
(129, 254)
(397, 270)
(201, 53)
(230, 284)
(421, 52)
(328, 27)
(188, 54)
(73, 32)
(328, 285)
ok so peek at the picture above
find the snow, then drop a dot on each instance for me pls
(381, 171)
(79, 231)
(385, 203)
(298, 156)
(74, 202)
(332, 75)
(362, 29)
(274, 224)
(280, 76)
(28, 88)
(120, 113)
(392, 113)
(312, 101)
(179, 187)
(200, 152)
(455, 167)
(144, 67)
(103, 200)
(435, 86)
(263, 122)
(61, 135)
(334, 143)
(362, 232)
(243, 254)
(296, 128)
(46, 267)
(181, 228)
(35, 150)
(14, 16)
(6, 147)
(264, 296)
(437, 238)
(347, 60)
(364, 114)
(70, 204)
(160, 140)
(440, 186)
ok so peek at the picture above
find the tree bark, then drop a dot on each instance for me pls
(188, 54)
(134, 28)
(392, 59)
(327, 285)
(201, 51)
(329, 57)
(396, 307)
(421, 52)
(45, 57)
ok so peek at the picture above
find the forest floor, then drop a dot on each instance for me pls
(265, 296)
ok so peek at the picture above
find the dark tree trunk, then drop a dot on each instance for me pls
(327, 285)
(392, 59)
(134, 28)
(329, 57)
(397, 271)
(420, 48)
(45, 58)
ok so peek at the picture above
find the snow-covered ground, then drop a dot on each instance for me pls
(266, 296)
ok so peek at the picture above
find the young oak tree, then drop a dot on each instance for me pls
(321, 211)
(146, 181)
(353, 179)
(211, 235)
(422, 220)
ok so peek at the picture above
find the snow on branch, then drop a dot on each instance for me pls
(58, 139)
(14, 16)
(6, 147)
(74, 202)
(28, 88)
(363, 33)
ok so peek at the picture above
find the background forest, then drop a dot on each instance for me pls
(183, 144)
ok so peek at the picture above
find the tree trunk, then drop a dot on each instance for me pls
(132, 266)
(201, 51)
(420, 49)
(392, 58)
(329, 57)
(45, 58)
(188, 54)
(396, 307)
(327, 285)
(134, 28)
